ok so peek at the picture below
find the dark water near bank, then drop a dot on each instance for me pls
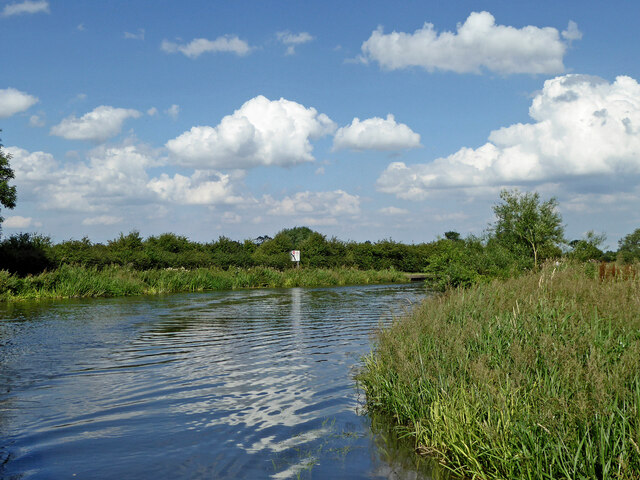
(244, 384)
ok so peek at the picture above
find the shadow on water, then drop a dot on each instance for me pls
(241, 384)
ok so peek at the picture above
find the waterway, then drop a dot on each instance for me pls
(242, 384)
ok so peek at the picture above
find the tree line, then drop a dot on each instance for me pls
(527, 230)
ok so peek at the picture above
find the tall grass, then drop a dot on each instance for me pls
(77, 281)
(533, 377)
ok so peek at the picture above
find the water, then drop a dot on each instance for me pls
(244, 384)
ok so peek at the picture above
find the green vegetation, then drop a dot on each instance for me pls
(533, 377)
(7, 192)
(80, 281)
(527, 231)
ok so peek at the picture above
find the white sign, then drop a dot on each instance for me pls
(295, 255)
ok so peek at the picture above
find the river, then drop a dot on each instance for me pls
(241, 384)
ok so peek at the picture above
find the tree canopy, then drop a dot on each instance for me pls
(7, 192)
(629, 246)
(527, 224)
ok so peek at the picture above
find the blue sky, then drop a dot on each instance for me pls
(363, 120)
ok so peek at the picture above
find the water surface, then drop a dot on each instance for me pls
(242, 384)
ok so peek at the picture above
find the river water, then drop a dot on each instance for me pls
(242, 384)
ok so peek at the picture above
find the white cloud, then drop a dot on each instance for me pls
(36, 121)
(376, 134)
(102, 220)
(32, 167)
(111, 176)
(26, 7)
(96, 126)
(290, 40)
(202, 188)
(153, 111)
(173, 111)
(572, 33)
(314, 204)
(393, 211)
(14, 101)
(584, 128)
(198, 46)
(477, 44)
(134, 36)
(261, 132)
(17, 222)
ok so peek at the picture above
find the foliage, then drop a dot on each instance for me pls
(533, 377)
(629, 247)
(25, 253)
(114, 280)
(524, 223)
(7, 192)
(588, 248)
(465, 262)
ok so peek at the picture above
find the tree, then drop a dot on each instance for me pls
(525, 224)
(451, 235)
(589, 247)
(7, 193)
(629, 247)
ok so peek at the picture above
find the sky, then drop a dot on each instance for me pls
(361, 120)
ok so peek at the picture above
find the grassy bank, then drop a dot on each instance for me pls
(76, 281)
(533, 377)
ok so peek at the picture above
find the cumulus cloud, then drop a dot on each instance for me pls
(477, 44)
(116, 177)
(32, 167)
(316, 205)
(291, 40)
(584, 127)
(26, 7)
(102, 220)
(202, 188)
(96, 126)
(173, 111)
(17, 222)
(14, 101)
(111, 175)
(198, 46)
(260, 132)
(376, 134)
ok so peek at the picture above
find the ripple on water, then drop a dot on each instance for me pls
(243, 384)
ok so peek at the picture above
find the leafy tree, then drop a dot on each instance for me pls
(451, 235)
(7, 193)
(629, 247)
(528, 226)
(589, 247)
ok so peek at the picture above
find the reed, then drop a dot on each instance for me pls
(533, 377)
(78, 281)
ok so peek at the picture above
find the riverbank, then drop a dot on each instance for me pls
(533, 377)
(114, 281)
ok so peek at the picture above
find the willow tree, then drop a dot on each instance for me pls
(7, 193)
(524, 223)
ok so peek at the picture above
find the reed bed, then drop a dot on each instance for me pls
(78, 281)
(533, 377)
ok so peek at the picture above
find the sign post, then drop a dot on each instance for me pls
(295, 257)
